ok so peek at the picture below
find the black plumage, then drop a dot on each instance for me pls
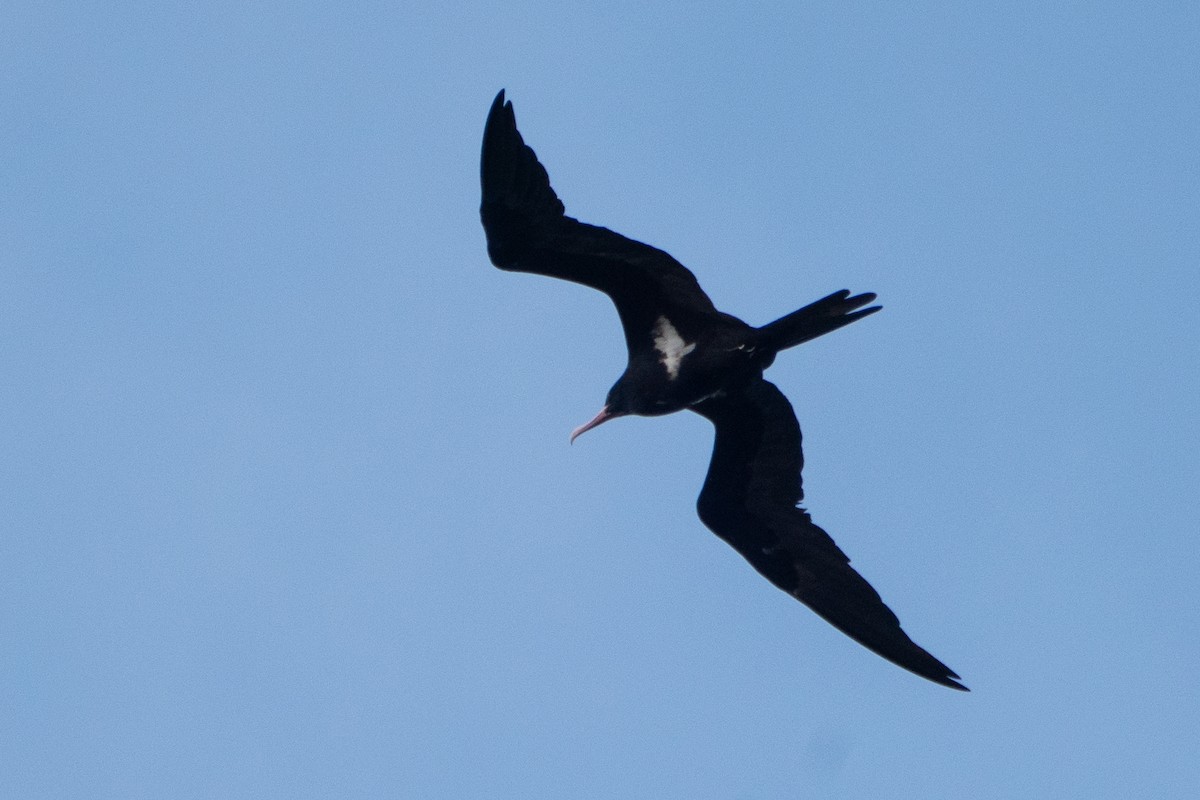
(685, 354)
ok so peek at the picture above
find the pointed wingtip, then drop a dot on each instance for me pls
(929, 668)
(904, 652)
(502, 145)
(951, 680)
(515, 189)
(499, 105)
(915, 659)
(919, 662)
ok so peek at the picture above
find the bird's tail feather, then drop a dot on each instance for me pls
(816, 319)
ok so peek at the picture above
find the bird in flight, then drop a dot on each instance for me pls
(685, 354)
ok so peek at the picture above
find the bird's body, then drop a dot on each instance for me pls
(685, 354)
(679, 365)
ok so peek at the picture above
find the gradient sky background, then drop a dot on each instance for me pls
(288, 506)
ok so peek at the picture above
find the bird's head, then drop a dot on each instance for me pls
(618, 403)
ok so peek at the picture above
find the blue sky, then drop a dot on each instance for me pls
(289, 506)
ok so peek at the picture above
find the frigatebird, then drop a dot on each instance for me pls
(685, 354)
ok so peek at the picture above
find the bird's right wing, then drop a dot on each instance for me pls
(750, 500)
(527, 231)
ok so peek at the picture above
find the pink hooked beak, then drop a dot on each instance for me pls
(604, 416)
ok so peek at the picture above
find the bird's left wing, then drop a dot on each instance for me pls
(528, 231)
(750, 500)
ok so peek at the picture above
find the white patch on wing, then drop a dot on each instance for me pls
(670, 346)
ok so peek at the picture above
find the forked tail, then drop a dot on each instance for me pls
(816, 319)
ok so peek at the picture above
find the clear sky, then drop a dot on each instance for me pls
(287, 508)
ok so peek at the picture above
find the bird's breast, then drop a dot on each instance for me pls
(671, 347)
(686, 364)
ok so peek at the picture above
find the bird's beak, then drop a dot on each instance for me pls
(604, 416)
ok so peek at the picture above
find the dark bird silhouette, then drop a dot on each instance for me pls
(685, 354)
